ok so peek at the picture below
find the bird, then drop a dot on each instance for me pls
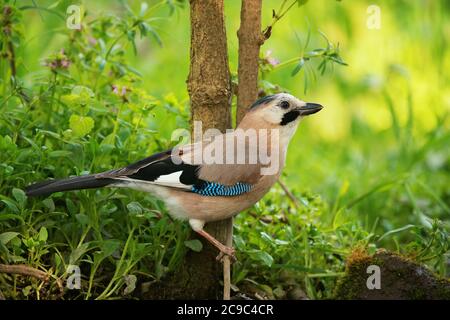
(208, 180)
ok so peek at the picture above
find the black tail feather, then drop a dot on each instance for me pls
(48, 187)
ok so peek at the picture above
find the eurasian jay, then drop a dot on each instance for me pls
(202, 190)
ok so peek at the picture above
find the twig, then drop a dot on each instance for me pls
(289, 194)
(227, 262)
(7, 30)
(276, 16)
(24, 270)
(12, 59)
(226, 277)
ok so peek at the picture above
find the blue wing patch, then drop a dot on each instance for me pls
(217, 189)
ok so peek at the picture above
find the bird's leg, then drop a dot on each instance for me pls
(224, 250)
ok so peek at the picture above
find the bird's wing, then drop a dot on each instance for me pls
(231, 169)
(181, 169)
(159, 169)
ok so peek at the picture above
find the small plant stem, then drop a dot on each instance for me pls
(113, 135)
(83, 236)
(116, 123)
(12, 60)
(326, 275)
(283, 13)
(179, 246)
(285, 63)
(289, 194)
(55, 75)
(277, 16)
(105, 292)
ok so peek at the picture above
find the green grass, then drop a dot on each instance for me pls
(372, 170)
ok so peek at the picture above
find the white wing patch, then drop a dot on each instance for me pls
(168, 180)
(171, 180)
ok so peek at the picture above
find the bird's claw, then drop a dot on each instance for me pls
(227, 251)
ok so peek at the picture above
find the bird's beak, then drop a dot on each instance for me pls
(309, 108)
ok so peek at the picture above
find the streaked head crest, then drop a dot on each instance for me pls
(262, 101)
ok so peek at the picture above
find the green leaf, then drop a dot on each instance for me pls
(308, 36)
(7, 144)
(6, 237)
(81, 125)
(109, 246)
(81, 97)
(371, 249)
(144, 8)
(154, 34)
(27, 290)
(281, 242)
(266, 237)
(264, 257)
(301, 2)
(71, 206)
(59, 154)
(83, 91)
(54, 5)
(82, 219)
(298, 67)
(194, 245)
(131, 38)
(43, 234)
(11, 205)
(11, 216)
(20, 197)
(408, 226)
(134, 208)
(239, 242)
(49, 204)
(78, 252)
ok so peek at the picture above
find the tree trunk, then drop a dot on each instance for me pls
(209, 86)
(250, 40)
(209, 81)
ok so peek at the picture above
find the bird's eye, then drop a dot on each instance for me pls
(284, 104)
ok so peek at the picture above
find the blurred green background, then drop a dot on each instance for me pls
(375, 161)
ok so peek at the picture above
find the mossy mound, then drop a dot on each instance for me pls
(400, 279)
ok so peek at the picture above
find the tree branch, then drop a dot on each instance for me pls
(250, 40)
(24, 270)
(227, 262)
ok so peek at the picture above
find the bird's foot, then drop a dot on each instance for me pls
(224, 250)
(227, 251)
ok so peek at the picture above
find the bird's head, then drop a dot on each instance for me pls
(281, 110)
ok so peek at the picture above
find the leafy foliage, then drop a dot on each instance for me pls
(87, 108)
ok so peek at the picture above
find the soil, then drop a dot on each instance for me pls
(400, 279)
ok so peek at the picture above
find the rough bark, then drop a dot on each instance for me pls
(209, 82)
(250, 41)
(209, 86)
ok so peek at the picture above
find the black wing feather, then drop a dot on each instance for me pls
(155, 166)
(148, 169)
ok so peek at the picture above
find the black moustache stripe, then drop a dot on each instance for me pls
(288, 117)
